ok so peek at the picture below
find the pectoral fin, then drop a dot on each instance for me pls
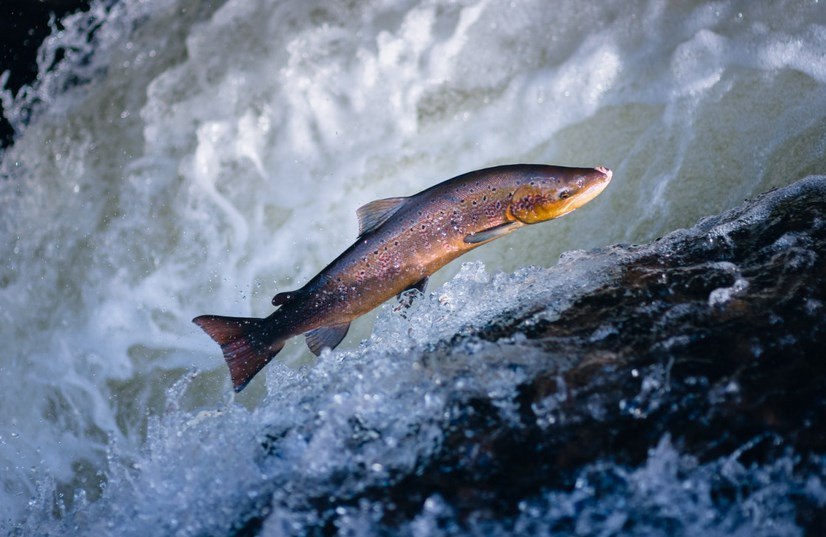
(326, 336)
(377, 212)
(491, 233)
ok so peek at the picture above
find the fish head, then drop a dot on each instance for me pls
(556, 192)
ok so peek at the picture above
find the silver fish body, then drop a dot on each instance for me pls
(402, 241)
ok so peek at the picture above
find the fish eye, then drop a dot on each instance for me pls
(565, 194)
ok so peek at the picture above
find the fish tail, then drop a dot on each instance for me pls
(244, 342)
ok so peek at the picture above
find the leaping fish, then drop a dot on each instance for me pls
(401, 242)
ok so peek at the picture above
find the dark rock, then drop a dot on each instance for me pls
(24, 24)
(711, 338)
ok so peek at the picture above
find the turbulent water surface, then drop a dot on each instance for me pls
(180, 157)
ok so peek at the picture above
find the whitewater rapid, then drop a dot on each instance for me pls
(188, 157)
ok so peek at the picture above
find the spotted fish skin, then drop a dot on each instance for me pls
(402, 241)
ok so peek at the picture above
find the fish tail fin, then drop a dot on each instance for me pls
(244, 343)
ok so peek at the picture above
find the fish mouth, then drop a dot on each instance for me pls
(598, 182)
(606, 172)
(595, 184)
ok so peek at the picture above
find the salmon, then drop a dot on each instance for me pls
(401, 242)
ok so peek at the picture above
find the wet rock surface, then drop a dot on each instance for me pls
(710, 340)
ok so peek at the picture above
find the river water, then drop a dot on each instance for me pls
(178, 157)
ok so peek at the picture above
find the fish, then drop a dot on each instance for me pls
(401, 242)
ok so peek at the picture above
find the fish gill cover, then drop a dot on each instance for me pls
(184, 154)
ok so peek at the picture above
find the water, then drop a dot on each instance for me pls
(197, 157)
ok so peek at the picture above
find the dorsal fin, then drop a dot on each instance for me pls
(375, 213)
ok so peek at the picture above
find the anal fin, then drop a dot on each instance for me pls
(326, 336)
(491, 233)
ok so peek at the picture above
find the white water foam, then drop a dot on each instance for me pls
(192, 157)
